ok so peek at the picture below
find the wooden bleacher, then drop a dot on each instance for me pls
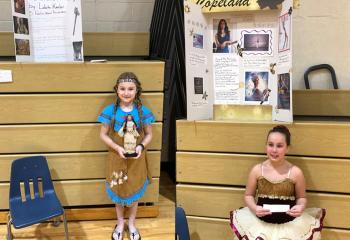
(214, 158)
(50, 109)
(96, 44)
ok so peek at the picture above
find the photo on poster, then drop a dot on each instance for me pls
(77, 48)
(22, 47)
(283, 91)
(284, 32)
(257, 42)
(256, 85)
(222, 39)
(197, 41)
(198, 85)
(20, 6)
(20, 25)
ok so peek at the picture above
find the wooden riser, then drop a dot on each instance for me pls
(321, 174)
(80, 77)
(60, 138)
(83, 192)
(213, 201)
(103, 213)
(328, 139)
(97, 44)
(65, 108)
(64, 166)
(214, 228)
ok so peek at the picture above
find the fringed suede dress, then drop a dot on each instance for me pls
(137, 169)
(279, 225)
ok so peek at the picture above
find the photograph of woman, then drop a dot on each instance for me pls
(222, 38)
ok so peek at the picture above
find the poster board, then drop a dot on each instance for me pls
(238, 57)
(47, 31)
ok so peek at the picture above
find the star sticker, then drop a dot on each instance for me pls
(272, 68)
(187, 9)
(205, 95)
(240, 50)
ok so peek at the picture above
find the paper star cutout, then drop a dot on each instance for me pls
(205, 95)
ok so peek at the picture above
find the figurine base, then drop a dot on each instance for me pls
(129, 155)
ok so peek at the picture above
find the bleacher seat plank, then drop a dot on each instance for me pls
(321, 102)
(97, 44)
(212, 201)
(63, 166)
(98, 213)
(328, 139)
(60, 138)
(321, 174)
(83, 192)
(64, 108)
(202, 228)
(80, 77)
(116, 44)
(7, 45)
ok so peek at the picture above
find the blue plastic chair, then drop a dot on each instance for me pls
(181, 226)
(37, 206)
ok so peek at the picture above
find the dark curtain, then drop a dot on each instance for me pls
(167, 43)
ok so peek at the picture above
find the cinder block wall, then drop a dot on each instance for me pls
(101, 15)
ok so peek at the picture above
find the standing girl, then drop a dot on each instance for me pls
(127, 178)
(279, 187)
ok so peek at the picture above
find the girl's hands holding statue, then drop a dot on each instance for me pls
(120, 150)
(138, 150)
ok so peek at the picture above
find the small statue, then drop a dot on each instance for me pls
(130, 134)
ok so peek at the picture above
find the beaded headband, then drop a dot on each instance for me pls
(122, 80)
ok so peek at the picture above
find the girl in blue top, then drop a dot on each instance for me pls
(127, 177)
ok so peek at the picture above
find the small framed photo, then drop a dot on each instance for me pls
(198, 85)
(197, 41)
(257, 42)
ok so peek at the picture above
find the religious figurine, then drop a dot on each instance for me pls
(130, 134)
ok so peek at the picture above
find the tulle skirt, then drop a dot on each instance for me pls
(246, 225)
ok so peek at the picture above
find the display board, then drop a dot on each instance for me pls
(238, 57)
(47, 31)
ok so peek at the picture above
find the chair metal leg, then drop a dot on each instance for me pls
(9, 231)
(65, 225)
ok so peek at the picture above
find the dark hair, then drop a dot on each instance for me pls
(126, 120)
(225, 29)
(283, 130)
(131, 78)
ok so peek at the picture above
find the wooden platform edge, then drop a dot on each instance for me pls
(218, 228)
(105, 213)
(96, 44)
